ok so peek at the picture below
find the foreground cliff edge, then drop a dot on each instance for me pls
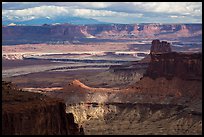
(26, 113)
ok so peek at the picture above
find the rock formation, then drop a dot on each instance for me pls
(160, 47)
(26, 113)
(165, 63)
(183, 65)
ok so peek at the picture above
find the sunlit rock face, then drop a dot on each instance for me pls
(134, 119)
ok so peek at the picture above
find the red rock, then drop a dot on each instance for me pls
(187, 66)
(160, 47)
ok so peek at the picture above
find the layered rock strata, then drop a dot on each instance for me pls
(66, 33)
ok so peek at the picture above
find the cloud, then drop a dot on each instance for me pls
(127, 12)
(94, 5)
(36, 12)
(164, 7)
(173, 16)
(194, 8)
(53, 11)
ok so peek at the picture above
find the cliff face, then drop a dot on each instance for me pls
(40, 34)
(183, 65)
(67, 32)
(25, 113)
(165, 63)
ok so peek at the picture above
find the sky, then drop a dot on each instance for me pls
(113, 12)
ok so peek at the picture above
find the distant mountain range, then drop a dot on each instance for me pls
(69, 33)
(57, 20)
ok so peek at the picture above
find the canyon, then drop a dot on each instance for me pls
(110, 79)
(165, 99)
(153, 105)
(101, 68)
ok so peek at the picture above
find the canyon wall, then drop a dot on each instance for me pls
(165, 63)
(26, 113)
(183, 65)
(67, 33)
